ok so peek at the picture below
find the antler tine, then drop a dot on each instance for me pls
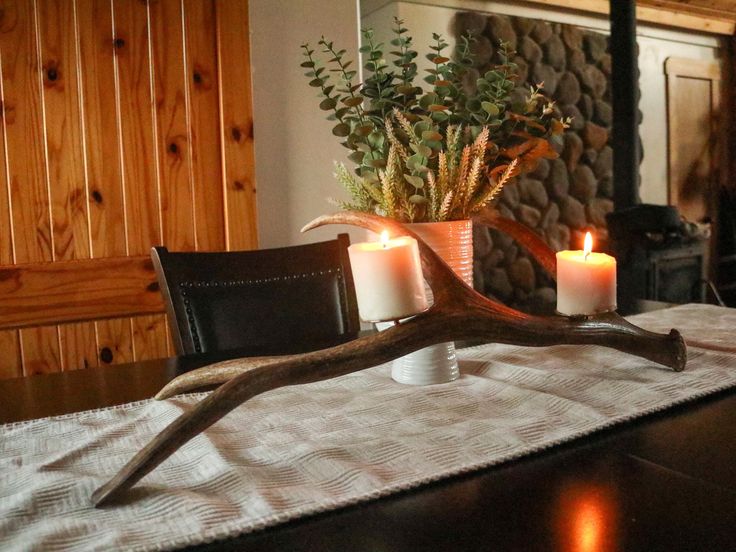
(295, 370)
(441, 278)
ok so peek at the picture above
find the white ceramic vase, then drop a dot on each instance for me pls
(453, 241)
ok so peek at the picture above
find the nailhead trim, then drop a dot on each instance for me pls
(247, 282)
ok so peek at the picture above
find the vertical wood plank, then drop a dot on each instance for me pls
(78, 345)
(201, 55)
(11, 366)
(40, 350)
(102, 141)
(138, 128)
(65, 159)
(24, 133)
(177, 206)
(149, 336)
(236, 124)
(115, 341)
(26, 164)
(136, 125)
(102, 146)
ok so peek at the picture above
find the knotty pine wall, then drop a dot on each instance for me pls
(125, 124)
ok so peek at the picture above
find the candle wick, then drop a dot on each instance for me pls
(586, 255)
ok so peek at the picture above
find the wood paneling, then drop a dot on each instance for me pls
(693, 98)
(74, 291)
(125, 124)
(674, 13)
(236, 123)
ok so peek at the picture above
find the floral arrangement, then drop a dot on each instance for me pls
(429, 155)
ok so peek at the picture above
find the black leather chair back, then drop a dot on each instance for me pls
(264, 302)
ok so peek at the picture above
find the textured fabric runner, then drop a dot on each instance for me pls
(306, 449)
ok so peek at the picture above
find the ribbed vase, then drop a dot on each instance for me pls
(453, 241)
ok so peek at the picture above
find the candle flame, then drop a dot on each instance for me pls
(384, 238)
(588, 244)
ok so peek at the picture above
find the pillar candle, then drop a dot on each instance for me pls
(586, 281)
(388, 278)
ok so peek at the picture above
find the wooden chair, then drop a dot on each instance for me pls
(264, 302)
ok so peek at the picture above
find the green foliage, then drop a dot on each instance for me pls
(435, 154)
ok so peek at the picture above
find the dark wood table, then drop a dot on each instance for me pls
(665, 482)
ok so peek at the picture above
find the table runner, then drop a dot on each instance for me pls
(307, 449)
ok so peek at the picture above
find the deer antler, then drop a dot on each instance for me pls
(458, 313)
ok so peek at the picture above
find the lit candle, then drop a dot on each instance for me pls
(388, 278)
(586, 281)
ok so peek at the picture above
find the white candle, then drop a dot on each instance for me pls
(586, 281)
(388, 278)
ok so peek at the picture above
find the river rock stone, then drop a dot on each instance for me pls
(521, 274)
(470, 21)
(605, 64)
(530, 50)
(573, 150)
(469, 80)
(595, 136)
(493, 259)
(575, 60)
(501, 240)
(482, 242)
(584, 186)
(479, 282)
(498, 284)
(532, 192)
(604, 163)
(510, 195)
(561, 234)
(595, 46)
(603, 113)
(593, 81)
(554, 52)
(541, 72)
(505, 211)
(572, 212)
(501, 30)
(522, 68)
(483, 50)
(542, 301)
(541, 32)
(529, 215)
(577, 121)
(550, 215)
(585, 105)
(589, 156)
(523, 25)
(605, 186)
(572, 36)
(558, 181)
(541, 171)
(568, 89)
(597, 209)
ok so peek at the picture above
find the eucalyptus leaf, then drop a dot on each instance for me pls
(415, 181)
(341, 130)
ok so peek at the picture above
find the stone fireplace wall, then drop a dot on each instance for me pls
(563, 197)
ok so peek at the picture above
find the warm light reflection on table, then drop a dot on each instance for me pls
(588, 519)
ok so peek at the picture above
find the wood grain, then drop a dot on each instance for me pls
(140, 178)
(173, 127)
(236, 124)
(26, 162)
(659, 13)
(65, 158)
(73, 291)
(693, 97)
(112, 142)
(201, 47)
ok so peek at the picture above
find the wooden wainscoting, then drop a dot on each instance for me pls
(125, 124)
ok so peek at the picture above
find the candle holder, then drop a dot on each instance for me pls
(458, 312)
